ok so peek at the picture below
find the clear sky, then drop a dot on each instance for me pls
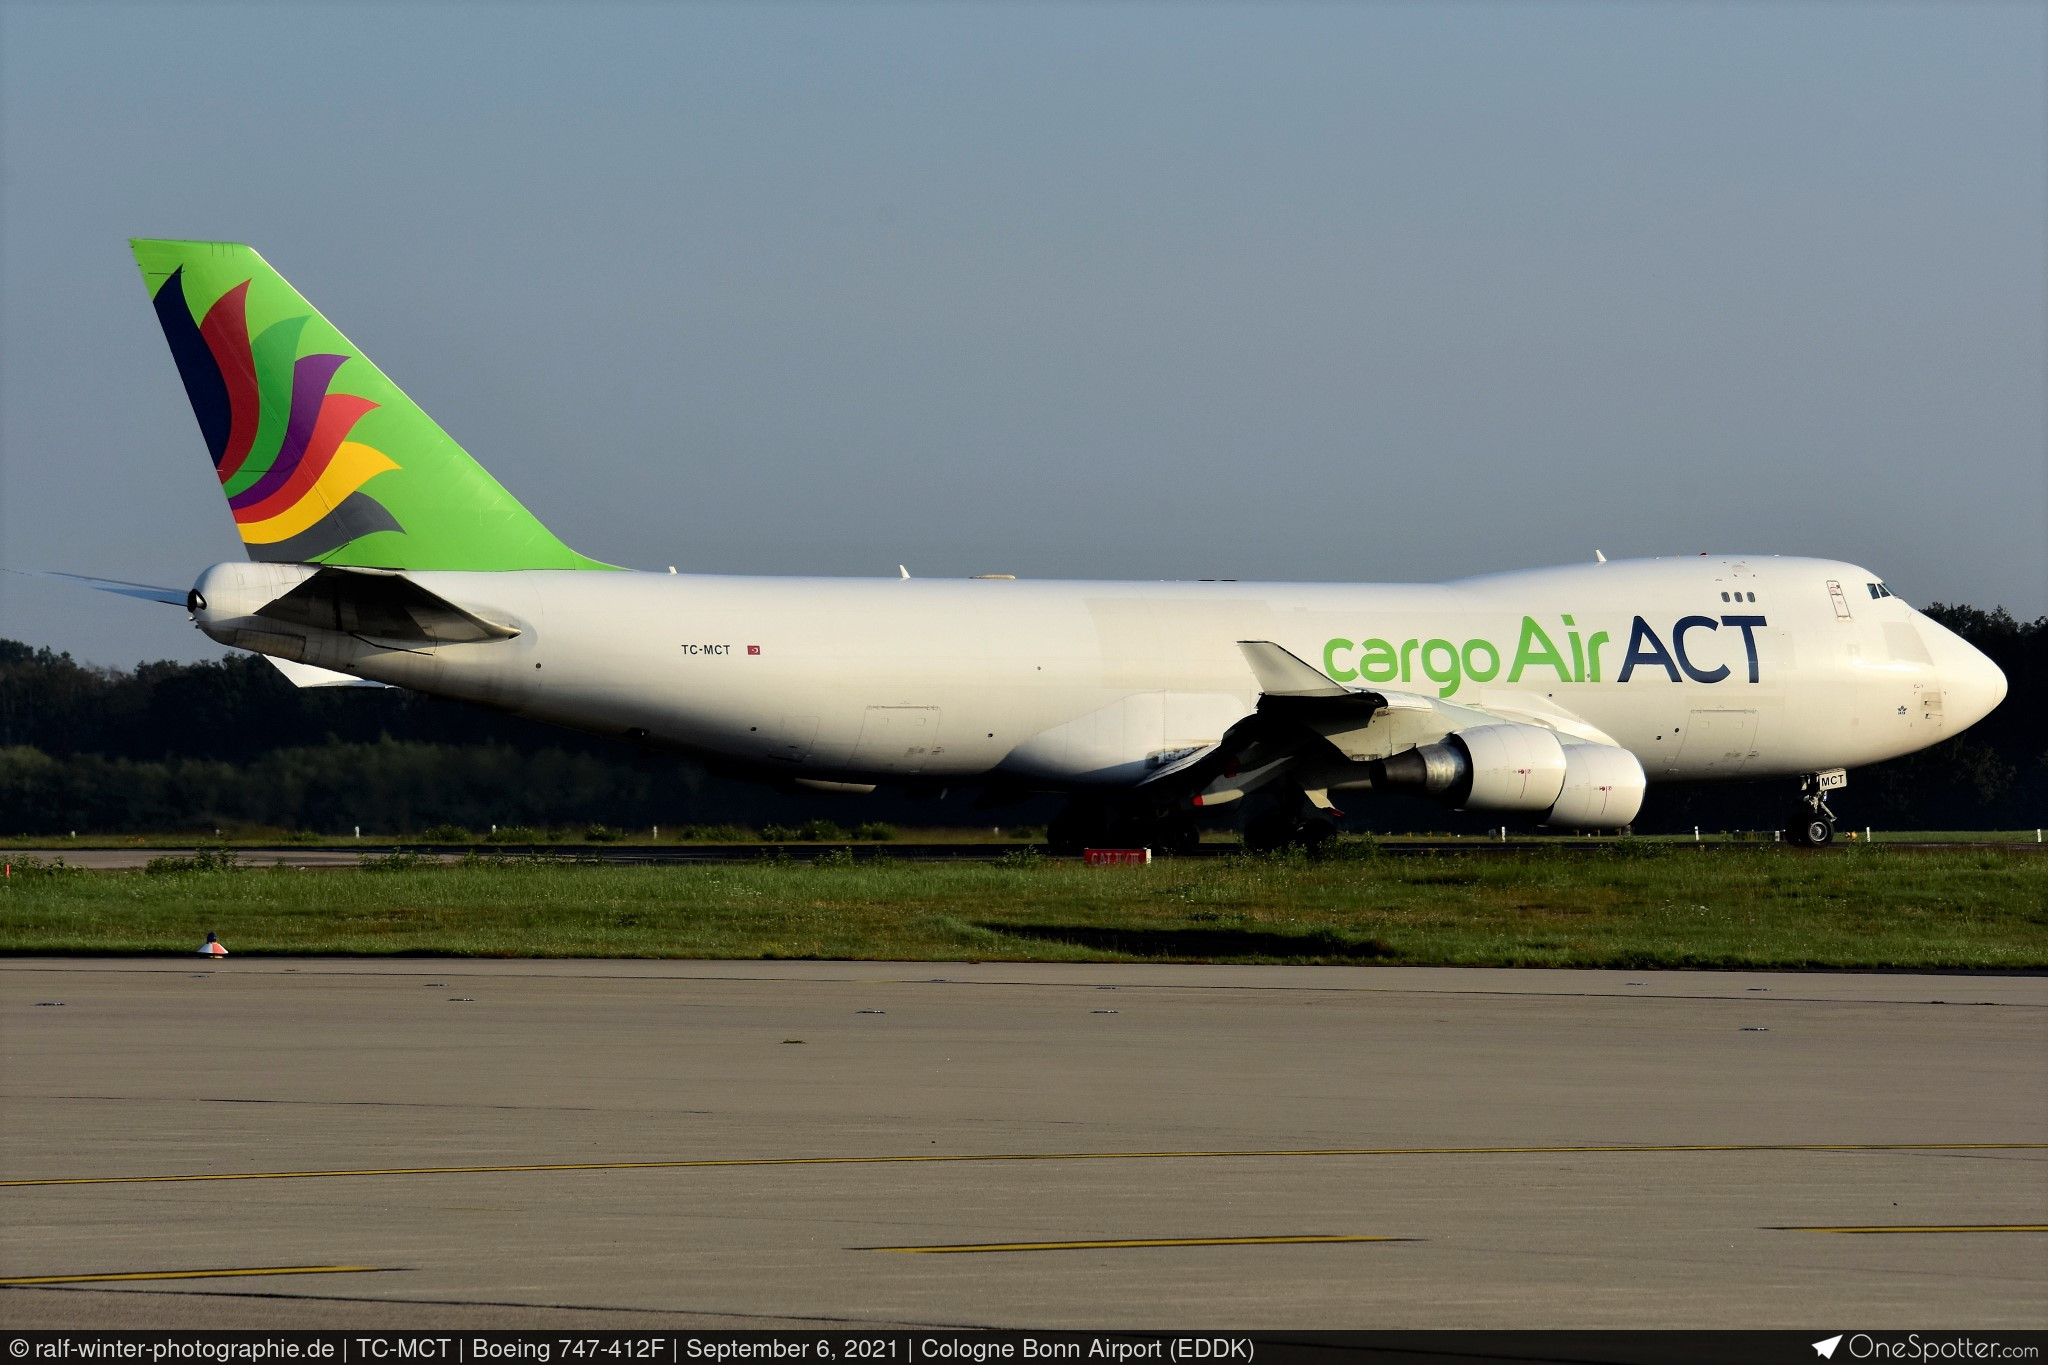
(1333, 291)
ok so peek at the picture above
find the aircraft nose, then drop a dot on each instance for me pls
(1971, 685)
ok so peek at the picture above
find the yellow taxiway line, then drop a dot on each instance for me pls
(1132, 1242)
(188, 1274)
(915, 1158)
(1933, 1227)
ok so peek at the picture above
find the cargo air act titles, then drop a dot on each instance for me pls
(1690, 655)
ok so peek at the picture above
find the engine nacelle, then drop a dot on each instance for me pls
(1603, 788)
(1503, 767)
(1511, 767)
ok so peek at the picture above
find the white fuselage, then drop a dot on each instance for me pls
(1703, 668)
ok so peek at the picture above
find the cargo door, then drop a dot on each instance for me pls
(1716, 743)
(896, 739)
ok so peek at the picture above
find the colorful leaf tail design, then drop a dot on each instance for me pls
(357, 516)
(309, 500)
(204, 384)
(226, 331)
(321, 457)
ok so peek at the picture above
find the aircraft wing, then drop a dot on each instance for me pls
(1319, 732)
(1293, 688)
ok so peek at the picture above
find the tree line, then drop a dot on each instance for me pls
(231, 744)
(172, 747)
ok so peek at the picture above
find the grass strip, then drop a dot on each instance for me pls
(1653, 906)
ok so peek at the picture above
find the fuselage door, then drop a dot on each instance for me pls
(896, 739)
(1717, 743)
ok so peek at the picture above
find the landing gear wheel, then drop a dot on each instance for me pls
(1067, 835)
(1268, 833)
(1088, 826)
(1273, 831)
(1814, 825)
(1177, 834)
(1314, 834)
(1809, 830)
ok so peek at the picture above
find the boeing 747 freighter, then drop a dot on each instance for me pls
(379, 551)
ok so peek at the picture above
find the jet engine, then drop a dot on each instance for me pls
(1488, 767)
(1522, 768)
(1603, 788)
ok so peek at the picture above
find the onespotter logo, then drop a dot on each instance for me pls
(1913, 1346)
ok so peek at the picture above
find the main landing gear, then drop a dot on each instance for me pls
(1813, 824)
(1090, 824)
(1286, 818)
(1273, 830)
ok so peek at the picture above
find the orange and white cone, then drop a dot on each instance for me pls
(212, 947)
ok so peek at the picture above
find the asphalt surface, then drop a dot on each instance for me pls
(762, 1144)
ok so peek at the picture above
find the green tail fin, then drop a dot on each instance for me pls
(324, 460)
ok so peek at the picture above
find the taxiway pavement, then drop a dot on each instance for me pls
(426, 1143)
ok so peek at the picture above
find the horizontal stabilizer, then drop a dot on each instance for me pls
(305, 675)
(169, 596)
(382, 608)
(1281, 674)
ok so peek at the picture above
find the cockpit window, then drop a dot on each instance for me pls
(1878, 590)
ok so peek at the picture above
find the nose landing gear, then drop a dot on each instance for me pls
(1813, 825)
(1813, 831)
